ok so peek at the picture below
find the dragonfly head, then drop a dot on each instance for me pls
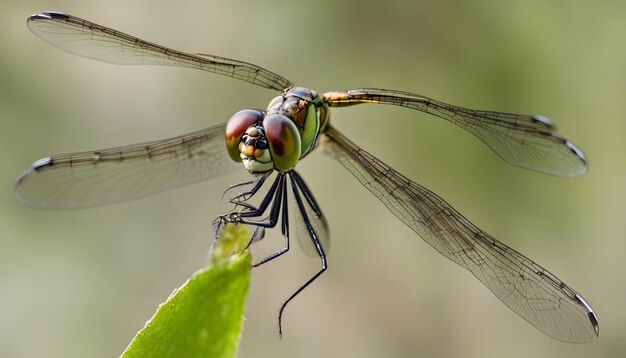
(279, 137)
(262, 142)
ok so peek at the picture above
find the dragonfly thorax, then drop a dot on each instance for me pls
(279, 137)
(307, 110)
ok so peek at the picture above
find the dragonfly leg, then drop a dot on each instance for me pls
(306, 192)
(243, 204)
(284, 230)
(274, 196)
(280, 200)
(238, 216)
(295, 185)
(241, 198)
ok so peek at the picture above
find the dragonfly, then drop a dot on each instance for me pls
(270, 142)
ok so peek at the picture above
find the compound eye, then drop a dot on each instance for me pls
(284, 141)
(237, 126)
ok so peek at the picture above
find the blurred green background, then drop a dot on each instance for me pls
(81, 283)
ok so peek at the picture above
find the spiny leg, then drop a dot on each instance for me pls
(307, 193)
(295, 186)
(278, 195)
(237, 185)
(284, 230)
(241, 198)
(278, 187)
(236, 217)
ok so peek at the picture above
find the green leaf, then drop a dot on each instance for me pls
(204, 317)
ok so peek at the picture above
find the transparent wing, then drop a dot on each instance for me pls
(87, 39)
(527, 288)
(118, 174)
(530, 142)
